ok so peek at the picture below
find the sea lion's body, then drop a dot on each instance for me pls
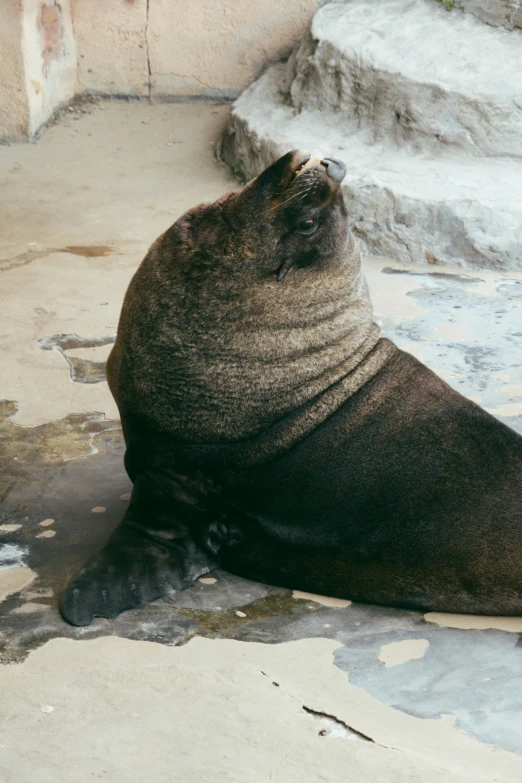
(408, 495)
(270, 430)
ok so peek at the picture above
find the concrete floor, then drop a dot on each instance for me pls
(231, 680)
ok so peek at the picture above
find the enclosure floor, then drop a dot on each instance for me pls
(230, 680)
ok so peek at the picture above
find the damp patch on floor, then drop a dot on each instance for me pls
(473, 675)
(79, 353)
(67, 478)
(467, 327)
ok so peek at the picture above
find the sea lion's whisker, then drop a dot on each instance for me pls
(301, 193)
(288, 200)
(298, 193)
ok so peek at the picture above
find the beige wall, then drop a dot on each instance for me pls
(14, 110)
(53, 49)
(37, 64)
(211, 48)
(112, 46)
(215, 48)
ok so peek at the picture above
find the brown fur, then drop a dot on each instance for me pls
(269, 428)
(229, 350)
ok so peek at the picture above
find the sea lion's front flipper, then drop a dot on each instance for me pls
(150, 554)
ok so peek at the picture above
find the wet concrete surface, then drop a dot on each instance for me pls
(69, 479)
(63, 487)
(468, 335)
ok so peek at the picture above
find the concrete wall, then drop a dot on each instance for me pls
(53, 49)
(112, 46)
(214, 48)
(49, 53)
(171, 48)
(14, 109)
(37, 64)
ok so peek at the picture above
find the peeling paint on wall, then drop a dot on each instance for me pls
(49, 58)
(51, 31)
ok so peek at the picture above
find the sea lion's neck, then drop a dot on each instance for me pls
(232, 363)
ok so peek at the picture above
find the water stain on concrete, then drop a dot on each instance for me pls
(277, 606)
(63, 469)
(392, 300)
(388, 270)
(513, 389)
(80, 370)
(23, 259)
(467, 331)
(473, 675)
(23, 448)
(89, 251)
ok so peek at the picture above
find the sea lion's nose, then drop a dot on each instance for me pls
(335, 169)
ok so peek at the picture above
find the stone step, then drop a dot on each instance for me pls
(460, 210)
(499, 13)
(411, 72)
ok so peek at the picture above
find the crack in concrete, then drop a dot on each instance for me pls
(145, 33)
(326, 716)
(279, 764)
(339, 722)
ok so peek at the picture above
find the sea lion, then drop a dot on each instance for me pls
(272, 431)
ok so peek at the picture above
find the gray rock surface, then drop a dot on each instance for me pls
(499, 13)
(425, 108)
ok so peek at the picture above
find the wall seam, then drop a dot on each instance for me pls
(149, 75)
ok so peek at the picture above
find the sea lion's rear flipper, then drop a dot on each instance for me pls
(150, 554)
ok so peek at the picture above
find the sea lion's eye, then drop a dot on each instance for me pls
(307, 226)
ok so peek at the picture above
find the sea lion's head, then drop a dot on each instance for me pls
(247, 307)
(291, 217)
(294, 214)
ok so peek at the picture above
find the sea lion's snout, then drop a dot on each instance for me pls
(335, 169)
(304, 162)
(293, 215)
